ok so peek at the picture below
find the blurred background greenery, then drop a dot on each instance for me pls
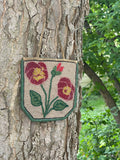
(100, 134)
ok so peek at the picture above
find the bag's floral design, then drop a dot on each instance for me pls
(37, 74)
(65, 88)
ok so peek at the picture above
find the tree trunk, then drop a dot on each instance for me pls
(116, 84)
(30, 28)
(104, 92)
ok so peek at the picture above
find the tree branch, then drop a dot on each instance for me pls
(104, 92)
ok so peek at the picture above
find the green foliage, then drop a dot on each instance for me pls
(101, 44)
(101, 37)
(100, 136)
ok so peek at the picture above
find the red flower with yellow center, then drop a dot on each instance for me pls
(66, 89)
(36, 72)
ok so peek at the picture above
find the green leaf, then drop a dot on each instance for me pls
(35, 98)
(59, 105)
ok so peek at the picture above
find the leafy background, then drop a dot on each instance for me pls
(100, 134)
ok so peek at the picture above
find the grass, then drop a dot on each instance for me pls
(96, 103)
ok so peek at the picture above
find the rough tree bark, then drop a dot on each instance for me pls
(104, 92)
(44, 28)
(116, 84)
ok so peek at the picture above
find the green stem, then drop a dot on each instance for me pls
(45, 95)
(50, 89)
(47, 105)
(49, 110)
(43, 110)
(53, 100)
